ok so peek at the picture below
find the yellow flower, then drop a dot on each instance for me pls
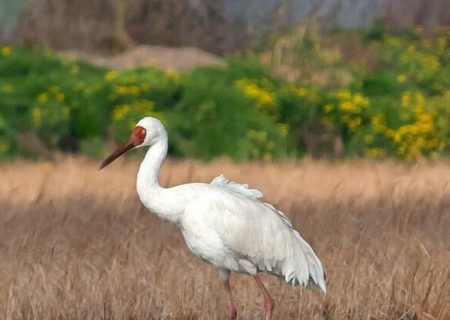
(406, 99)
(6, 51)
(396, 136)
(146, 106)
(142, 107)
(120, 112)
(284, 129)
(309, 94)
(43, 97)
(347, 106)
(401, 78)
(442, 43)
(360, 100)
(3, 147)
(376, 152)
(329, 107)
(431, 62)
(127, 90)
(264, 98)
(111, 75)
(301, 92)
(7, 88)
(378, 123)
(393, 41)
(173, 74)
(344, 94)
(354, 123)
(425, 117)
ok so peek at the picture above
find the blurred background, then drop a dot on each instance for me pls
(268, 79)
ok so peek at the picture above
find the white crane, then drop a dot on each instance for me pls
(223, 222)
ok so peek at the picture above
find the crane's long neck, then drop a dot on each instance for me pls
(160, 201)
(148, 174)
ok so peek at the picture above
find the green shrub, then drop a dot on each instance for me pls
(390, 98)
(230, 110)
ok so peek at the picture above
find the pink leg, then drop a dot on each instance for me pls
(269, 304)
(232, 313)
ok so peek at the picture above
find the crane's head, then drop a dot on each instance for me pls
(147, 132)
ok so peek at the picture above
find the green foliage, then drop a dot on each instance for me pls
(228, 111)
(392, 105)
(42, 95)
(72, 106)
(391, 99)
(134, 94)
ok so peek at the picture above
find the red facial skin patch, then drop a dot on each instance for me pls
(138, 135)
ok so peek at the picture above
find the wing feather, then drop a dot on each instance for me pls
(262, 235)
(223, 182)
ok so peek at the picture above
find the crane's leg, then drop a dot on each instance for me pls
(225, 276)
(269, 304)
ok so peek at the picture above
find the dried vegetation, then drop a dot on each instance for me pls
(75, 243)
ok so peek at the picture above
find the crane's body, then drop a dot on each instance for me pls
(224, 223)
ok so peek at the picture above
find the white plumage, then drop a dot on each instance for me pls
(224, 223)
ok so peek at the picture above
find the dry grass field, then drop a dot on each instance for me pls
(75, 243)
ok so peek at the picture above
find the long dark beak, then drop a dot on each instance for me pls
(124, 147)
(136, 139)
